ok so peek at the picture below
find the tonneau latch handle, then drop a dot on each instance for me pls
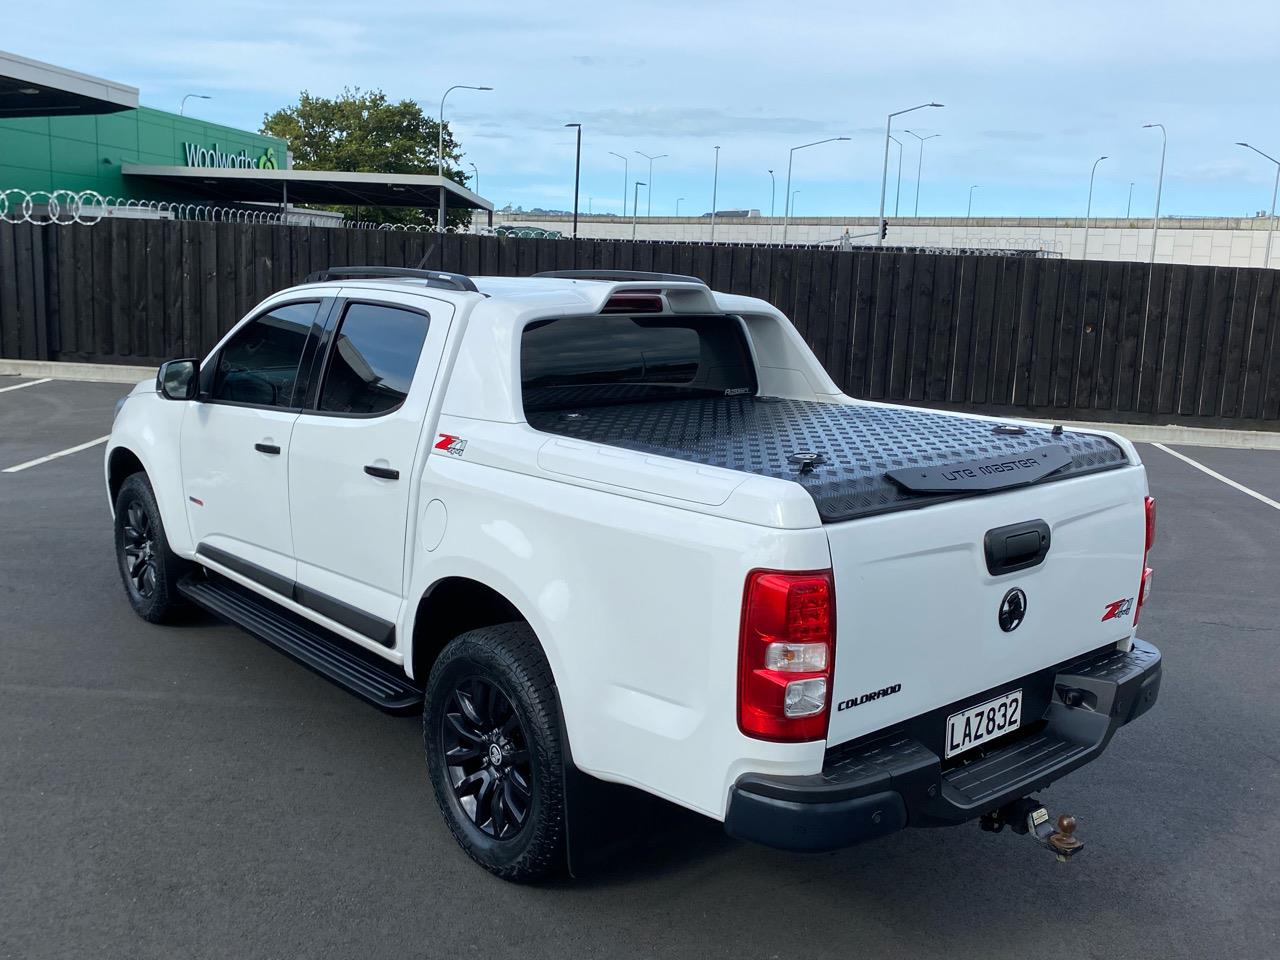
(1017, 546)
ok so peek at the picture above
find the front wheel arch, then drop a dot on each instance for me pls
(122, 463)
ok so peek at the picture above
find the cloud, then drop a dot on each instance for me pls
(1032, 97)
(1012, 136)
(664, 122)
(613, 63)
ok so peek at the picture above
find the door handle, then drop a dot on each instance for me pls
(383, 473)
(270, 448)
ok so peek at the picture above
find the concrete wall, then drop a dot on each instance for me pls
(1225, 241)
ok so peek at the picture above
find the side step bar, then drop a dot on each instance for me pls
(310, 644)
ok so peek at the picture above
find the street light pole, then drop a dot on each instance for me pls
(634, 208)
(440, 145)
(648, 209)
(773, 197)
(625, 180)
(968, 214)
(678, 199)
(715, 184)
(577, 172)
(1088, 210)
(786, 196)
(1266, 257)
(475, 180)
(794, 194)
(920, 166)
(1129, 207)
(897, 194)
(884, 175)
(1155, 222)
(197, 96)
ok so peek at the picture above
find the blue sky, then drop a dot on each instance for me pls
(1034, 93)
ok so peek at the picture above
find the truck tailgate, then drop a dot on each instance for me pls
(918, 610)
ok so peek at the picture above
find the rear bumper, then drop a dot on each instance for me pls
(873, 788)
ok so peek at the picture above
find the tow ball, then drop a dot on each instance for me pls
(1028, 816)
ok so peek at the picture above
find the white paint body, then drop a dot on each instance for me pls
(629, 567)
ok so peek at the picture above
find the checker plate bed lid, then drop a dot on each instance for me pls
(842, 454)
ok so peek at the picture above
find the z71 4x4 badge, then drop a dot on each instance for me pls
(1117, 608)
(451, 444)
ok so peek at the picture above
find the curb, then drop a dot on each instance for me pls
(1134, 432)
(1178, 435)
(63, 370)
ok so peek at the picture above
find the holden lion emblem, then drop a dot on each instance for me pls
(1013, 610)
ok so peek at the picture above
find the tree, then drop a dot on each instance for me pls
(361, 131)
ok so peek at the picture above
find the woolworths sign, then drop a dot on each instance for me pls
(211, 156)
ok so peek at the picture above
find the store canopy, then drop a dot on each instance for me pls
(254, 185)
(29, 88)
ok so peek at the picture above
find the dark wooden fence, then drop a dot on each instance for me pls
(1062, 338)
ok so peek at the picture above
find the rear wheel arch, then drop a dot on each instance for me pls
(451, 607)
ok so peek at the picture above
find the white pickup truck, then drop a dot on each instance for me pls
(611, 526)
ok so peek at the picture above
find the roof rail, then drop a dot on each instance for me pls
(434, 278)
(619, 275)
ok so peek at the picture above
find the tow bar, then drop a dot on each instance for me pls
(1029, 816)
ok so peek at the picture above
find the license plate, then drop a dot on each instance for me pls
(986, 721)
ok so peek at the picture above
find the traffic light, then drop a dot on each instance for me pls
(884, 229)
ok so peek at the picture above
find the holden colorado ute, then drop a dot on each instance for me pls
(614, 527)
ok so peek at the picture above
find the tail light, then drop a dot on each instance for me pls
(786, 655)
(1144, 587)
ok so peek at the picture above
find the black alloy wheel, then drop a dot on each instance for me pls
(140, 559)
(486, 752)
(149, 569)
(495, 753)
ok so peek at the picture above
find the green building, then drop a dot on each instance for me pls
(89, 152)
(62, 130)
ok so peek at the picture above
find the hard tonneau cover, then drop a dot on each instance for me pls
(858, 445)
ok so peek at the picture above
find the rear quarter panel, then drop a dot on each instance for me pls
(637, 605)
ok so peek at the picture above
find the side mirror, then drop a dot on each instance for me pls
(178, 379)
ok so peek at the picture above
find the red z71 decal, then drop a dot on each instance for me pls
(1117, 608)
(451, 444)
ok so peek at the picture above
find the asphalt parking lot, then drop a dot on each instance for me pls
(188, 792)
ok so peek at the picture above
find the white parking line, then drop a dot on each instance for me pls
(54, 456)
(29, 383)
(1217, 476)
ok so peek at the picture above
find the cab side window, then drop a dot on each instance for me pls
(372, 360)
(259, 365)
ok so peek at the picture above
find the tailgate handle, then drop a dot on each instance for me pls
(1016, 546)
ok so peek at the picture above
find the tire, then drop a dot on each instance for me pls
(491, 727)
(149, 569)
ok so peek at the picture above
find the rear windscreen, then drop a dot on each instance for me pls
(580, 361)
